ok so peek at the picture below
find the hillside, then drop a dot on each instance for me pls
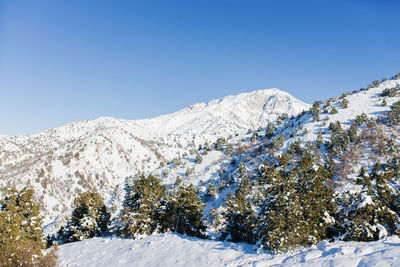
(330, 173)
(100, 154)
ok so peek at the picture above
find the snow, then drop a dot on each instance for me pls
(105, 151)
(177, 250)
(101, 153)
(366, 200)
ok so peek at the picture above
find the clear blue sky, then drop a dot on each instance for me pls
(62, 61)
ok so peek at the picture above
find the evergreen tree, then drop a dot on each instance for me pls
(245, 186)
(315, 110)
(240, 219)
(220, 144)
(340, 141)
(184, 212)
(320, 140)
(270, 130)
(345, 103)
(373, 212)
(352, 133)
(199, 158)
(211, 192)
(280, 214)
(298, 205)
(215, 219)
(394, 115)
(361, 119)
(90, 218)
(21, 242)
(278, 142)
(144, 206)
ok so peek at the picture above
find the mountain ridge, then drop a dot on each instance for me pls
(59, 163)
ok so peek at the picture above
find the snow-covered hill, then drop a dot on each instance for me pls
(176, 250)
(100, 154)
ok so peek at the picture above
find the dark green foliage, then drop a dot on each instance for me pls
(373, 212)
(239, 214)
(315, 110)
(211, 192)
(184, 212)
(295, 149)
(220, 144)
(281, 118)
(90, 218)
(363, 179)
(254, 137)
(199, 159)
(313, 150)
(375, 83)
(345, 103)
(144, 205)
(394, 115)
(270, 130)
(240, 219)
(340, 141)
(297, 205)
(361, 119)
(21, 242)
(245, 186)
(320, 140)
(390, 92)
(352, 133)
(278, 142)
(215, 218)
(334, 110)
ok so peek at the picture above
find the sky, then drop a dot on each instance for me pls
(62, 61)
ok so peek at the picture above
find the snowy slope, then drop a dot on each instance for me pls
(176, 250)
(228, 115)
(60, 163)
(219, 167)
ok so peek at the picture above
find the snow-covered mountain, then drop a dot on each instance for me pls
(100, 154)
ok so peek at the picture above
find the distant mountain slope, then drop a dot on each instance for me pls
(59, 163)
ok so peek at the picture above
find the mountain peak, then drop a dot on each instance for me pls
(102, 152)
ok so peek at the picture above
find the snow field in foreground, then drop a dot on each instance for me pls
(177, 250)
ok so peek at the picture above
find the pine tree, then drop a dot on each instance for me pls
(345, 103)
(315, 110)
(90, 218)
(240, 219)
(280, 216)
(278, 142)
(373, 212)
(340, 141)
(144, 205)
(199, 158)
(211, 192)
(184, 212)
(270, 130)
(21, 240)
(215, 219)
(298, 205)
(352, 133)
(394, 115)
